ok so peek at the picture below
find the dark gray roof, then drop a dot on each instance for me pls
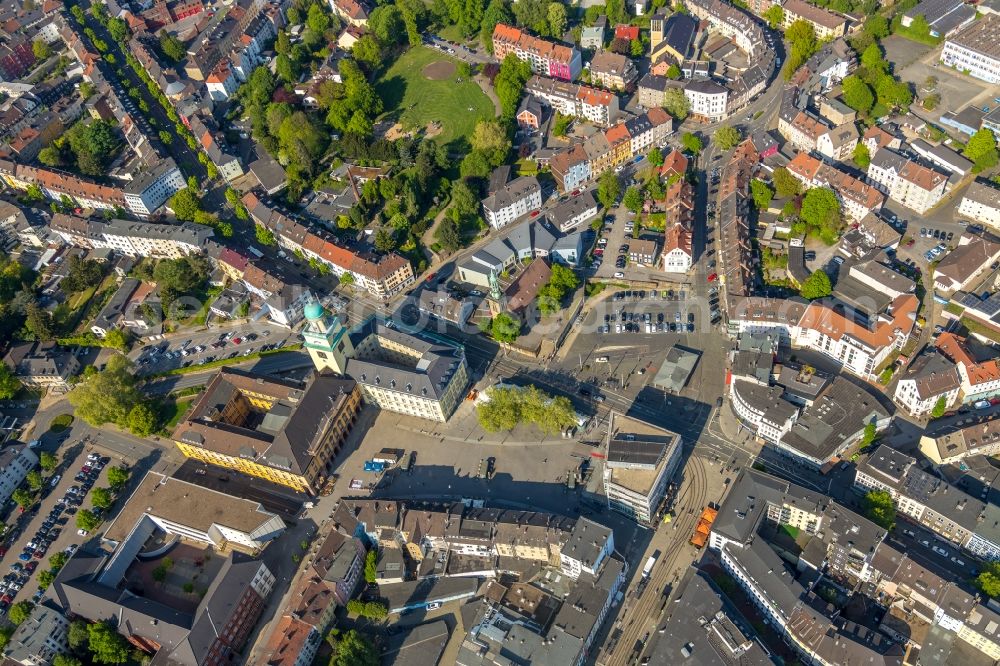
(421, 645)
(184, 637)
(654, 82)
(141, 180)
(747, 363)
(115, 308)
(573, 207)
(801, 383)
(943, 498)
(586, 541)
(705, 86)
(679, 32)
(887, 465)
(748, 498)
(512, 192)
(416, 593)
(823, 428)
(765, 399)
(709, 627)
(429, 377)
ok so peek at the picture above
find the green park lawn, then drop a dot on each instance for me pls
(414, 100)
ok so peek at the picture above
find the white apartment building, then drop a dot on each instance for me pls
(929, 379)
(151, 188)
(677, 254)
(981, 203)
(803, 130)
(515, 199)
(16, 460)
(37, 640)
(913, 185)
(708, 99)
(598, 106)
(980, 379)
(586, 549)
(762, 409)
(839, 142)
(135, 239)
(974, 50)
(860, 349)
(641, 460)
(222, 82)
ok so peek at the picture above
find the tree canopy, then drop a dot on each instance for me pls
(785, 184)
(171, 47)
(817, 285)
(509, 407)
(82, 274)
(509, 82)
(9, 383)
(857, 94)
(879, 507)
(505, 328)
(692, 143)
(676, 104)
(861, 155)
(821, 214)
(988, 580)
(633, 199)
(608, 189)
(19, 612)
(353, 649)
(727, 137)
(939, 408)
(107, 396)
(982, 150)
(762, 193)
(106, 645)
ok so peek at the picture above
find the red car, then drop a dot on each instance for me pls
(910, 242)
(713, 277)
(430, 278)
(598, 252)
(31, 566)
(38, 554)
(576, 192)
(7, 599)
(237, 341)
(534, 213)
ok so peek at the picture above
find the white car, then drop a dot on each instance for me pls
(619, 275)
(83, 533)
(434, 605)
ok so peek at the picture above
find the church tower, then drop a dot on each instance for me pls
(326, 339)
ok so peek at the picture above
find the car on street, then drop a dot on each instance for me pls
(713, 277)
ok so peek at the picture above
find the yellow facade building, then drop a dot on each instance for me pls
(283, 431)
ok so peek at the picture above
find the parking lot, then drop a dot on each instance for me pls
(49, 527)
(208, 346)
(653, 311)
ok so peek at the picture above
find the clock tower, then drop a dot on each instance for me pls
(326, 339)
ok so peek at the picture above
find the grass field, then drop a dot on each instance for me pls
(414, 100)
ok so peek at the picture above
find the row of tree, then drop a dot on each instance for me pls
(509, 407)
